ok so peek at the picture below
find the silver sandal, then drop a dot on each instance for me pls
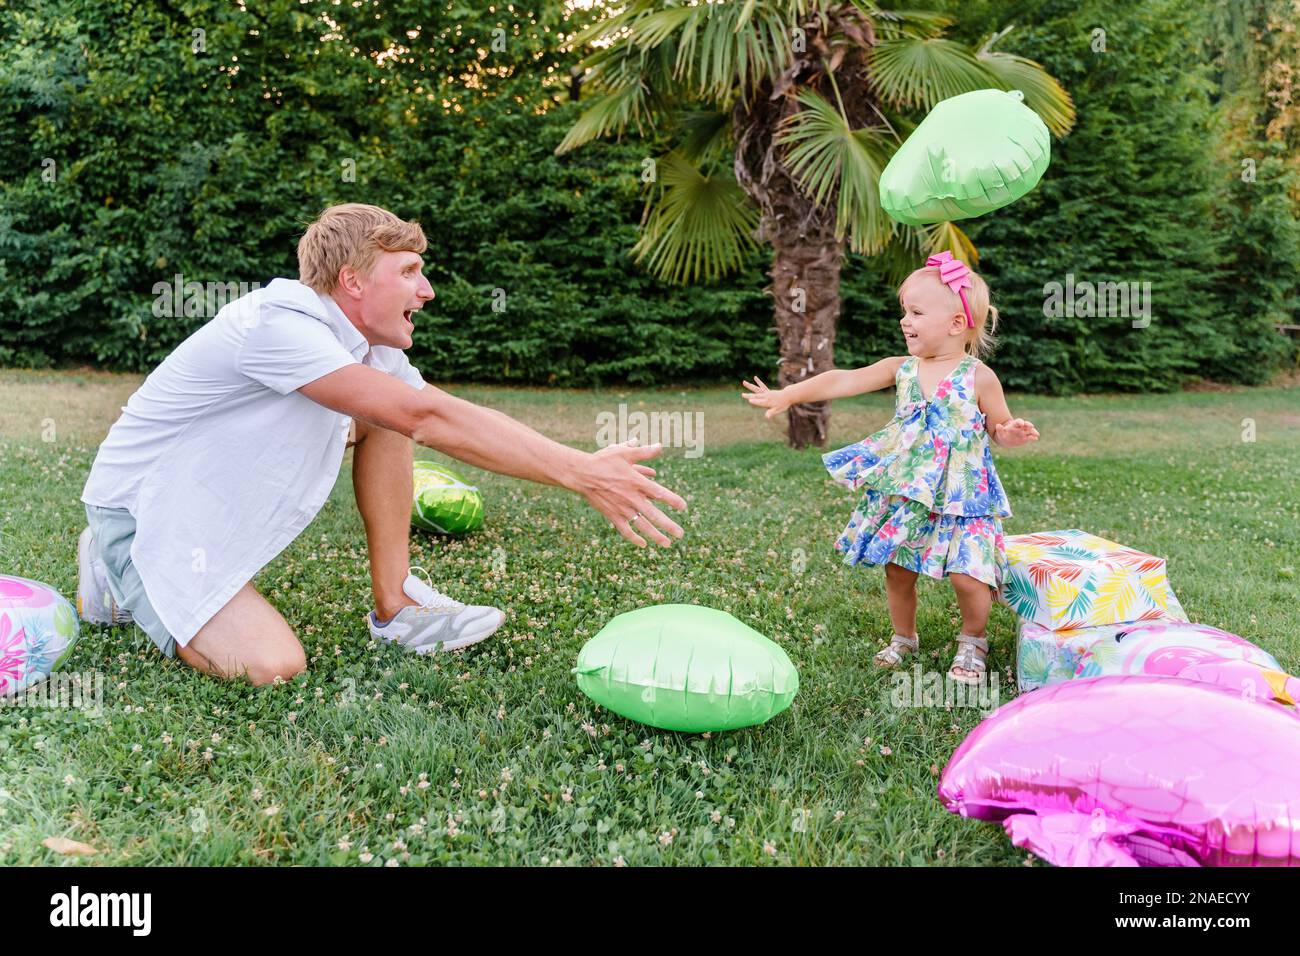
(899, 647)
(971, 652)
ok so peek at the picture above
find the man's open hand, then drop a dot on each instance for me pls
(619, 487)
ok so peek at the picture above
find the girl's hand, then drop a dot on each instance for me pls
(760, 396)
(1016, 431)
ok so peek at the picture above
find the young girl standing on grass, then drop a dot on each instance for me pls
(933, 503)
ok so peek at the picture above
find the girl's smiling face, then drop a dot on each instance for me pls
(930, 326)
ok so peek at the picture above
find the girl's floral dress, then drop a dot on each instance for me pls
(933, 502)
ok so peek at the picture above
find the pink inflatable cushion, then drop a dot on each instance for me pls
(1160, 769)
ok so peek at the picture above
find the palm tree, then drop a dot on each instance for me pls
(781, 116)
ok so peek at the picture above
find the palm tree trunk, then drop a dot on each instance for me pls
(806, 258)
(806, 292)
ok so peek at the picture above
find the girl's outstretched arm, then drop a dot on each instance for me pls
(1002, 428)
(836, 383)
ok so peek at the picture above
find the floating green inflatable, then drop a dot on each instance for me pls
(974, 153)
(444, 501)
(685, 667)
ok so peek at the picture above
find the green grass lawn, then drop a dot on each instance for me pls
(493, 756)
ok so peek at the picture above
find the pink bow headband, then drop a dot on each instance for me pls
(954, 274)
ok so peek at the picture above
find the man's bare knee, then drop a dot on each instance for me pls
(360, 432)
(284, 662)
(197, 661)
(284, 659)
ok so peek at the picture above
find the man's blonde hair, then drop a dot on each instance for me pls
(352, 234)
(979, 340)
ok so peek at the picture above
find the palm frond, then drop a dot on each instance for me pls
(697, 227)
(912, 245)
(628, 85)
(903, 255)
(660, 25)
(911, 72)
(607, 30)
(746, 12)
(825, 154)
(609, 112)
(725, 46)
(891, 24)
(705, 134)
(1043, 94)
(948, 237)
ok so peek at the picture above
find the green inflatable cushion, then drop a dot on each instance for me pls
(687, 668)
(972, 154)
(444, 502)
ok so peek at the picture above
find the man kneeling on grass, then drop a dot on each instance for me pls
(230, 447)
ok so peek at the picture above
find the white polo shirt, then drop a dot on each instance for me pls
(219, 459)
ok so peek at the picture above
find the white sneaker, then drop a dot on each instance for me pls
(435, 622)
(95, 603)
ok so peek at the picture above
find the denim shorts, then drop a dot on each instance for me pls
(112, 531)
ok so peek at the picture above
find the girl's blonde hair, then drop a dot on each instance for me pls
(352, 234)
(979, 340)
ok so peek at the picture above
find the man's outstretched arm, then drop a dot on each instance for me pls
(611, 479)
